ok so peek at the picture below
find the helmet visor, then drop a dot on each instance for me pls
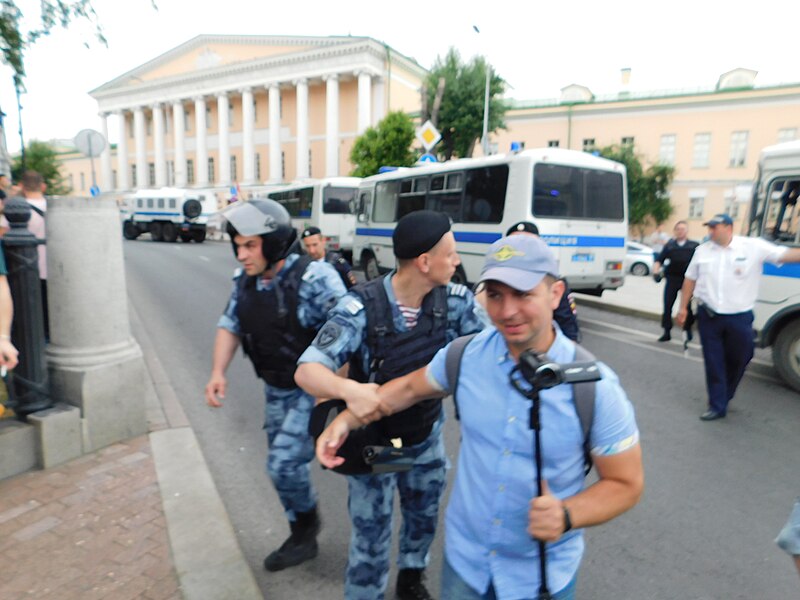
(249, 220)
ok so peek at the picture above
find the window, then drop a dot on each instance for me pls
(571, 192)
(211, 176)
(113, 179)
(309, 162)
(71, 180)
(702, 150)
(186, 120)
(696, 207)
(160, 203)
(149, 203)
(588, 144)
(666, 151)
(485, 194)
(148, 124)
(782, 221)
(258, 166)
(172, 202)
(412, 194)
(787, 135)
(553, 144)
(151, 172)
(337, 200)
(296, 202)
(208, 117)
(445, 195)
(385, 206)
(283, 166)
(738, 149)
(230, 115)
(167, 122)
(255, 110)
(130, 128)
(731, 206)
(134, 183)
(234, 176)
(83, 182)
(190, 171)
(627, 141)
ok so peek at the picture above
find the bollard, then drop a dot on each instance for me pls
(30, 384)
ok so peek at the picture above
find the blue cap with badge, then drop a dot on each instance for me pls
(520, 261)
(720, 219)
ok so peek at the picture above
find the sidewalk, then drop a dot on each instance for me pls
(639, 296)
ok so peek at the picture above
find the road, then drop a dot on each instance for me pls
(716, 493)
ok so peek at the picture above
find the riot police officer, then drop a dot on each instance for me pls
(314, 243)
(279, 301)
(385, 328)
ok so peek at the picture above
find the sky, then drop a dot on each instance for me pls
(537, 47)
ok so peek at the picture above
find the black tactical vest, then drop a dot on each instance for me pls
(272, 336)
(394, 354)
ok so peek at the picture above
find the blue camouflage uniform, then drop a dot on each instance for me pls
(371, 497)
(291, 449)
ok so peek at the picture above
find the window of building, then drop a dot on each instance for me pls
(83, 182)
(211, 176)
(696, 207)
(666, 151)
(134, 183)
(788, 134)
(627, 141)
(190, 171)
(71, 181)
(230, 114)
(167, 123)
(552, 143)
(280, 106)
(283, 166)
(731, 206)
(234, 176)
(258, 166)
(255, 109)
(130, 128)
(151, 172)
(148, 124)
(208, 117)
(702, 150)
(170, 172)
(186, 121)
(114, 179)
(588, 144)
(309, 162)
(738, 149)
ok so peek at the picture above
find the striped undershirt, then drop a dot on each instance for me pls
(411, 315)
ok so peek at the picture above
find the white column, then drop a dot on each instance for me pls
(139, 134)
(201, 148)
(160, 159)
(122, 153)
(107, 179)
(303, 168)
(275, 171)
(248, 143)
(332, 125)
(379, 97)
(364, 101)
(178, 126)
(224, 168)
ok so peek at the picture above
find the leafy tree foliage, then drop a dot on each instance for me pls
(42, 158)
(387, 144)
(460, 116)
(648, 200)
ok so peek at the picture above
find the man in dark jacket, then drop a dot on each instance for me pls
(674, 258)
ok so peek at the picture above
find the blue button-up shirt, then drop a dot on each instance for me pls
(346, 330)
(319, 290)
(486, 522)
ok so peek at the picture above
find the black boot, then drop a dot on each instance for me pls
(300, 546)
(410, 586)
(665, 337)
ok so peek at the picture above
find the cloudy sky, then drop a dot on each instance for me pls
(538, 47)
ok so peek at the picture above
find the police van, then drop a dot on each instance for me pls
(168, 214)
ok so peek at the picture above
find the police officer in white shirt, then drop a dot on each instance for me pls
(724, 276)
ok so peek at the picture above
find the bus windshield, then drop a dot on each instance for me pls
(776, 212)
(338, 200)
(576, 193)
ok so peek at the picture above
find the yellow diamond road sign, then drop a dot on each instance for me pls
(428, 135)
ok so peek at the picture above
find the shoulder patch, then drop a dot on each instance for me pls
(329, 333)
(308, 275)
(457, 289)
(354, 306)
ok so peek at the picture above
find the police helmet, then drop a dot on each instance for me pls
(264, 218)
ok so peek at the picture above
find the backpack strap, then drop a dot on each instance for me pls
(584, 395)
(36, 209)
(452, 364)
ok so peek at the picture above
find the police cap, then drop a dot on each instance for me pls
(418, 232)
(309, 231)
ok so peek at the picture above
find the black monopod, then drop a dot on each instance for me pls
(541, 374)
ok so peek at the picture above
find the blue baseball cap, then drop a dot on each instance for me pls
(720, 219)
(519, 261)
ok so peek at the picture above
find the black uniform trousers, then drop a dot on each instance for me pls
(671, 288)
(728, 345)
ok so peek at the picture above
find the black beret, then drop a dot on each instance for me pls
(309, 231)
(418, 232)
(525, 226)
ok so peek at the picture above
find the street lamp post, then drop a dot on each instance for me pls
(485, 135)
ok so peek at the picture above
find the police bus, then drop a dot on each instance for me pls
(325, 203)
(168, 214)
(774, 216)
(577, 200)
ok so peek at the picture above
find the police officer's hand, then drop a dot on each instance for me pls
(363, 401)
(681, 317)
(333, 437)
(215, 390)
(9, 357)
(546, 516)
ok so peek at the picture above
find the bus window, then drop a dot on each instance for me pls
(149, 203)
(385, 205)
(445, 196)
(577, 193)
(411, 198)
(296, 202)
(485, 194)
(338, 201)
(160, 203)
(780, 223)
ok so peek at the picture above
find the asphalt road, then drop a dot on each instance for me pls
(716, 493)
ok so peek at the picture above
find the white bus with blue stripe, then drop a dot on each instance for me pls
(578, 201)
(775, 215)
(168, 214)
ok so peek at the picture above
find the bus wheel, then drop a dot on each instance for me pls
(370, 264)
(169, 232)
(156, 231)
(130, 230)
(786, 354)
(459, 276)
(199, 235)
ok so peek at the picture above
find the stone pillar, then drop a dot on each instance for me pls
(275, 163)
(94, 362)
(364, 101)
(160, 159)
(224, 168)
(140, 135)
(303, 168)
(178, 126)
(379, 104)
(107, 177)
(248, 140)
(201, 148)
(331, 125)
(122, 153)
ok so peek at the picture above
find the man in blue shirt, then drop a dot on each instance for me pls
(494, 517)
(279, 302)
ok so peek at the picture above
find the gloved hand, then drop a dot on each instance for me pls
(658, 277)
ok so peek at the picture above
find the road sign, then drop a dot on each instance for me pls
(94, 191)
(428, 135)
(90, 142)
(427, 158)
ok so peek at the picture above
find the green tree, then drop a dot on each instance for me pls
(42, 158)
(460, 115)
(387, 144)
(648, 200)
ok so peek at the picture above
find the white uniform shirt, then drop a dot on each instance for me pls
(727, 278)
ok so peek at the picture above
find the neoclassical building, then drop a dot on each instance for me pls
(221, 110)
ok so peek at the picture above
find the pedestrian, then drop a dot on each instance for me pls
(279, 302)
(5, 184)
(673, 261)
(314, 243)
(789, 537)
(384, 328)
(723, 275)
(566, 315)
(494, 517)
(8, 353)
